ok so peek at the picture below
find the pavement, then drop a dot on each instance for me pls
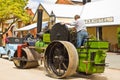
(113, 60)
(8, 71)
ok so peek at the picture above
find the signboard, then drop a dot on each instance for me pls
(99, 20)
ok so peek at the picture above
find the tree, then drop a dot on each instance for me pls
(15, 10)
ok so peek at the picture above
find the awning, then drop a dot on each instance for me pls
(32, 26)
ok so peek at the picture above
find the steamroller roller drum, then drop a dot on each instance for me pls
(61, 59)
(26, 60)
(59, 32)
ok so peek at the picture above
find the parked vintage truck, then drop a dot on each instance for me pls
(10, 47)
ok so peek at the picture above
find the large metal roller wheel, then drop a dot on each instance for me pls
(61, 59)
(26, 60)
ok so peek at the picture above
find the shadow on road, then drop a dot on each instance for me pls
(87, 77)
(83, 77)
(4, 57)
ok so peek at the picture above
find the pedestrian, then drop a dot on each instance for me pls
(80, 27)
(6, 39)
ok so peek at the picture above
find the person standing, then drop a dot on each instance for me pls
(6, 39)
(80, 27)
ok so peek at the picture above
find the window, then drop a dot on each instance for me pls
(99, 33)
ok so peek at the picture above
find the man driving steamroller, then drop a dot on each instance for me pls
(80, 27)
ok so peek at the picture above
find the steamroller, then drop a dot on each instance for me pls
(61, 56)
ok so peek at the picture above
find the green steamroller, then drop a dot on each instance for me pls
(61, 57)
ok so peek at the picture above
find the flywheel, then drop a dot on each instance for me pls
(59, 32)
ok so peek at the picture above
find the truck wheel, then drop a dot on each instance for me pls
(0, 55)
(61, 59)
(9, 57)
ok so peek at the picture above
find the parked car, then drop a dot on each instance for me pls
(10, 47)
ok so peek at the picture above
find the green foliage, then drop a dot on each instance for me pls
(13, 9)
(118, 31)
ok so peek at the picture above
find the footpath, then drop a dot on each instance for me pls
(113, 60)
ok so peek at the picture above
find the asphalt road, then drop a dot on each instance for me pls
(8, 71)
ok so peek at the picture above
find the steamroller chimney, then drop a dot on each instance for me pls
(39, 20)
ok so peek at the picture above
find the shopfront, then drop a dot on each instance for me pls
(102, 19)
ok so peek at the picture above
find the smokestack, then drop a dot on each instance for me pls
(39, 20)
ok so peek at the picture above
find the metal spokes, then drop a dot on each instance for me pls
(59, 59)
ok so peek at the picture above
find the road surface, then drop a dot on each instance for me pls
(8, 71)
